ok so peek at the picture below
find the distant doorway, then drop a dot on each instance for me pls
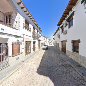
(63, 43)
(39, 44)
(34, 44)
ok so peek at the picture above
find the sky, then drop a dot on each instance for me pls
(47, 13)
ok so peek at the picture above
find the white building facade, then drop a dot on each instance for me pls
(56, 38)
(16, 32)
(72, 31)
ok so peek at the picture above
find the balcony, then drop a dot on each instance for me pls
(39, 37)
(8, 28)
(27, 25)
(36, 36)
(27, 28)
(7, 21)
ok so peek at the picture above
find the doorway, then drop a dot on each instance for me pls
(63, 43)
(27, 47)
(34, 45)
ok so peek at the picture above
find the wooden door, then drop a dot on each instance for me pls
(75, 46)
(27, 47)
(64, 46)
(15, 49)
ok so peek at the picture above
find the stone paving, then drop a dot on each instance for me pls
(48, 68)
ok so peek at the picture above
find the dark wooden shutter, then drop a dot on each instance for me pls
(15, 49)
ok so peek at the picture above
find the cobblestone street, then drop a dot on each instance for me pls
(48, 68)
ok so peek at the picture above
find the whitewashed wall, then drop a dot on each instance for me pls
(78, 31)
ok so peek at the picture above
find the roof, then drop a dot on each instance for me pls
(26, 11)
(71, 4)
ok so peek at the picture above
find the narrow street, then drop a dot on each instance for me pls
(48, 68)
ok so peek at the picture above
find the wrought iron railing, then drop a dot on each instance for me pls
(4, 60)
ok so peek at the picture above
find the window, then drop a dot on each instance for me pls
(34, 42)
(23, 25)
(70, 22)
(33, 30)
(62, 29)
(70, 19)
(30, 29)
(8, 19)
(75, 46)
(26, 25)
(65, 24)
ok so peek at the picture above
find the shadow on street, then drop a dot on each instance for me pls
(57, 67)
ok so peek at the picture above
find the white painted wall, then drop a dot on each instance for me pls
(22, 13)
(18, 21)
(56, 38)
(78, 31)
